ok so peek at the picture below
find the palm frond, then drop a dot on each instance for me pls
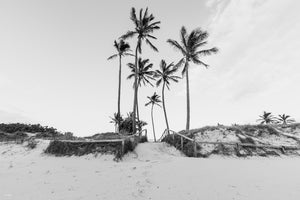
(183, 36)
(129, 34)
(207, 52)
(130, 76)
(158, 82)
(133, 16)
(139, 46)
(199, 62)
(186, 65)
(151, 45)
(128, 54)
(176, 45)
(180, 63)
(113, 56)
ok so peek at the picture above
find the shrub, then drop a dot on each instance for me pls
(43, 131)
(69, 148)
(143, 139)
(127, 123)
(17, 136)
(32, 144)
(68, 136)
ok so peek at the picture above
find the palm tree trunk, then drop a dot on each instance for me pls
(135, 91)
(137, 105)
(153, 123)
(164, 107)
(187, 98)
(119, 92)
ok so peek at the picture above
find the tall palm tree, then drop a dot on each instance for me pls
(165, 75)
(266, 118)
(144, 27)
(190, 49)
(145, 74)
(153, 100)
(123, 49)
(285, 119)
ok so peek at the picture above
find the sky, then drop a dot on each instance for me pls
(54, 68)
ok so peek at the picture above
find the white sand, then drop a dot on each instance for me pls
(153, 171)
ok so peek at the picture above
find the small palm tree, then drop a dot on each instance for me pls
(116, 119)
(165, 75)
(144, 27)
(285, 119)
(123, 49)
(190, 44)
(153, 100)
(145, 74)
(266, 118)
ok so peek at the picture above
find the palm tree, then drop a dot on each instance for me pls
(116, 119)
(153, 100)
(189, 47)
(285, 119)
(144, 27)
(165, 75)
(145, 74)
(123, 49)
(266, 118)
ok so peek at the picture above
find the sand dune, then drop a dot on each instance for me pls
(152, 171)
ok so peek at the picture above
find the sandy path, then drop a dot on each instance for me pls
(154, 171)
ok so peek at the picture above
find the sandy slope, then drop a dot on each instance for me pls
(153, 171)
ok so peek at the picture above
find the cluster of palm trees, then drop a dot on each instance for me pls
(190, 46)
(268, 118)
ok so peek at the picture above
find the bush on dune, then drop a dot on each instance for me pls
(262, 134)
(79, 148)
(19, 130)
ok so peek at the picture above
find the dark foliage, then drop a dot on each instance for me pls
(105, 136)
(30, 128)
(246, 135)
(143, 139)
(174, 140)
(126, 126)
(32, 144)
(69, 148)
(16, 136)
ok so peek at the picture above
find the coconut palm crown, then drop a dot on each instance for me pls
(285, 119)
(153, 100)
(145, 74)
(190, 47)
(123, 49)
(266, 118)
(166, 74)
(144, 27)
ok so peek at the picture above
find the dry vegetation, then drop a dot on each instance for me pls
(263, 140)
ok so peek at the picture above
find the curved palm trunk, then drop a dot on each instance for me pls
(187, 99)
(137, 105)
(164, 107)
(119, 93)
(153, 123)
(135, 92)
